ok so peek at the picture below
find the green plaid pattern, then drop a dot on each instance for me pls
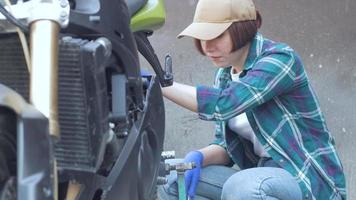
(282, 109)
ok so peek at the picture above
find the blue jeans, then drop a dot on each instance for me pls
(267, 181)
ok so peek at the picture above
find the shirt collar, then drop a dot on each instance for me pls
(234, 76)
(254, 51)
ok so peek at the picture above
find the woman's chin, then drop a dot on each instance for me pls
(221, 64)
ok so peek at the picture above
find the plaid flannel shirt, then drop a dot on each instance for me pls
(282, 109)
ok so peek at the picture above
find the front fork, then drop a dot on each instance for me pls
(44, 32)
(44, 78)
(45, 18)
(44, 71)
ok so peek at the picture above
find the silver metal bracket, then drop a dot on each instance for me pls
(55, 10)
(30, 11)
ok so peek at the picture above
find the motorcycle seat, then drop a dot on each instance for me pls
(135, 5)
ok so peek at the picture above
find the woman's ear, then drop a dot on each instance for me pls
(258, 19)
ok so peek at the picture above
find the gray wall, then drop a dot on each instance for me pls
(323, 32)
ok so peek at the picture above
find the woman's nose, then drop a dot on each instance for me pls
(207, 45)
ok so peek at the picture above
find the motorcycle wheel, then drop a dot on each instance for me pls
(8, 154)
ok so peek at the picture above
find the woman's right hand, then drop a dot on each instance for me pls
(192, 176)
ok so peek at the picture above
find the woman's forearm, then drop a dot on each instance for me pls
(186, 96)
(183, 95)
(215, 155)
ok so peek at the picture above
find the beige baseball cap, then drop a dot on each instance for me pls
(213, 17)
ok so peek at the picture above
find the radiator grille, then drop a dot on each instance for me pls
(13, 70)
(73, 151)
(73, 148)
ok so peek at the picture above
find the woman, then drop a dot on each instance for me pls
(268, 120)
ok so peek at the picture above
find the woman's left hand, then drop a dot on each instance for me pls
(192, 176)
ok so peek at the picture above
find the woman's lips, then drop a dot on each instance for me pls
(215, 57)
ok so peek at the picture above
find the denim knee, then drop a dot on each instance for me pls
(239, 187)
(261, 183)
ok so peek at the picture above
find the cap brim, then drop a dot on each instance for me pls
(204, 31)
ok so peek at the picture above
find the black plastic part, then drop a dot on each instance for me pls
(168, 75)
(119, 105)
(147, 51)
(35, 157)
(34, 149)
(137, 167)
(134, 174)
(85, 6)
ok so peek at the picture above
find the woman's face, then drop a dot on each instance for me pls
(218, 49)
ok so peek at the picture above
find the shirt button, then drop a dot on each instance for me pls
(307, 196)
(281, 160)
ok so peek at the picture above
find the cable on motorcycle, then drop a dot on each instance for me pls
(12, 19)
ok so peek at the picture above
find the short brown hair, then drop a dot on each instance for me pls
(241, 33)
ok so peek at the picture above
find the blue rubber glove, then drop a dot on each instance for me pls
(192, 176)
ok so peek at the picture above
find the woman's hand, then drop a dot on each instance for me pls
(210, 155)
(192, 176)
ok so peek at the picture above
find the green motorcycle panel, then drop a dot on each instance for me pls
(150, 17)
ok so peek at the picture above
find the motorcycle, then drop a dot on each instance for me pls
(78, 119)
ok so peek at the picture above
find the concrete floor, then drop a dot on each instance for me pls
(323, 32)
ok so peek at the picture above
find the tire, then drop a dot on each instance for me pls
(8, 154)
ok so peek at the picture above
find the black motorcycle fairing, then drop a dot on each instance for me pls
(85, 6)
(137, 171)
(34, 148)
(35, 157)
(133, 176)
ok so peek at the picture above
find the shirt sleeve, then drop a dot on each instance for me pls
(272, 74)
